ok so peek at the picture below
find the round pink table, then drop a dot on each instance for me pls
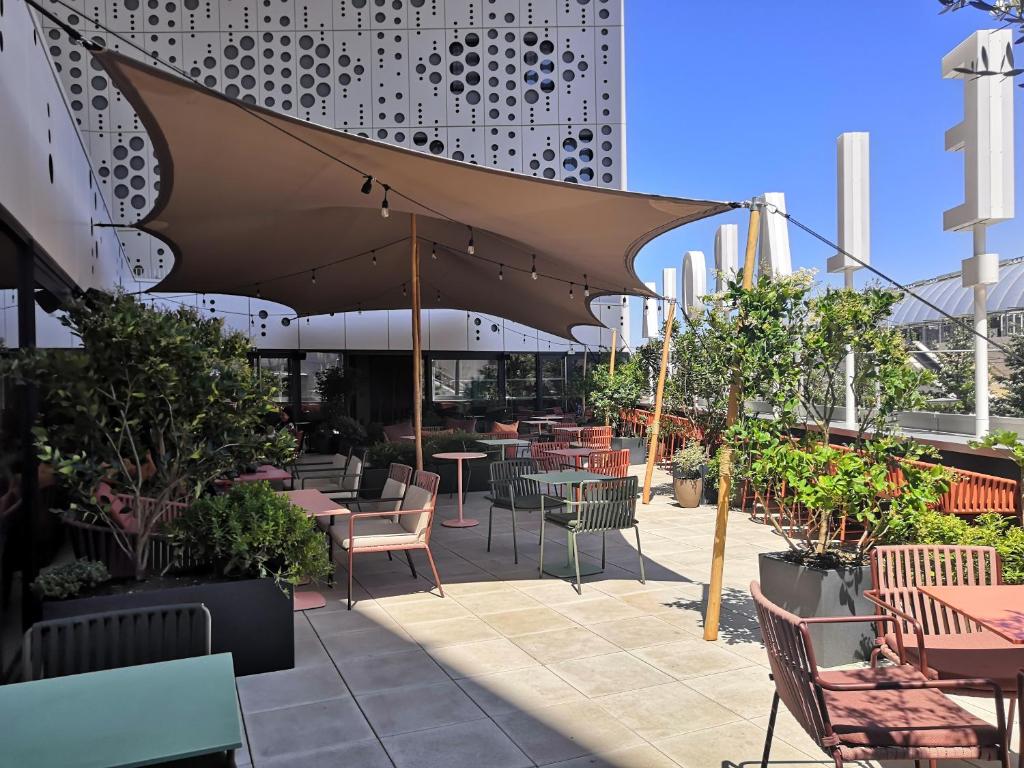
(458, 457)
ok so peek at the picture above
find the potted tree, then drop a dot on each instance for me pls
(829, 504)
(610, 394)
(687, 479)
(137, 425)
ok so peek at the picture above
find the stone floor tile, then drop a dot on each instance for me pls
(289, 687)
(305, 728)
(643, 756)
(401, 710)
(398, 670)
(526, 621)
(666, 710)
(612, 673)
(466, 745)
(734, 744)
(497, 602)
(368, 642)
(639, 632)
(364, 754)
(563, 644)
(519, 689)
(563, 732)
(366, 616)
(482, 658)
(748, 692)
(591, 609)
(438, 634)
(684, 659)
(425, 610)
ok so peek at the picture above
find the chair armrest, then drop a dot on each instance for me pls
(366, 515)
(876, 619)
(872, 595)
(359, 502)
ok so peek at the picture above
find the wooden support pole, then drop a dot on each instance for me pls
(611, 371)
(652, 448)
(713, 611)
(417, 351)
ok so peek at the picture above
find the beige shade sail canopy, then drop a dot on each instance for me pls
(257, 203)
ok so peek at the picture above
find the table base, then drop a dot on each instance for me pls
(568, 570)
(465, 522)
(307, 601)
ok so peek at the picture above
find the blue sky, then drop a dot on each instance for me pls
(725, 101)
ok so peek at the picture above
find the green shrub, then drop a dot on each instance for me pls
(253, 532)
(687, 461)
(988, 530)
(58, 582)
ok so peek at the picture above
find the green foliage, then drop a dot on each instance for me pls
(404, 451)
(688, 460)
(169, 392)
(59, 582)
(955, 375)
(610, 394)
(1005, 438)
(1011, 401)
(253, 532)
(699, 386)
(333, 386)
(988, 530)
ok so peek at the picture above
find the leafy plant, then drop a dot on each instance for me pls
(1008, 13)
(988, 530)
(59, 582)
(611, 394)
(688, 460)
(699, 386)
(1011, 401)
(252, 531)
(1005, 438)
(955, 375)
(155, 404)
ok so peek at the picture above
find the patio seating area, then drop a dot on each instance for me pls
(510, 670)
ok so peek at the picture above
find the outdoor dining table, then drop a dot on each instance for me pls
(500, 444)
(458, 457)
(266, 472)
(999, 608)
(576, 455)
(314, 504)
(115, 718)
(570, 478)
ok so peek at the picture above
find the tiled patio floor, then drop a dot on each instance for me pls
(509, 670)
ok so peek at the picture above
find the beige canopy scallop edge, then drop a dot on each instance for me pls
(252, 201)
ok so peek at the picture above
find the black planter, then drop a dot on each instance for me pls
(817, 592)
(637, 449)
(250, 618)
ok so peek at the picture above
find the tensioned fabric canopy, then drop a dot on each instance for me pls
(252, 202)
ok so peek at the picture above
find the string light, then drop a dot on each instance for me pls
(433, 251)
(403, 289)
(312, 277)
(259, 294)
(471, 246)
(586, 285)
(385, 208)
(571, 295)
(501, 271)
(367, 187)
(533, 266)
(439, 297)
(373, 258)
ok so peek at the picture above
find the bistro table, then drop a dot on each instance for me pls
(266, 472)
(458, 457)
(570, 478)
(500, 444)
(576, 455)
(131, 716)
(314, 504)
(999, 608)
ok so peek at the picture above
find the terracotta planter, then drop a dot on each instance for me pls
(688, 491)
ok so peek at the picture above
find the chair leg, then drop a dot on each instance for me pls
(408, 557)
(389, 555)
(643, 577)
(540, 567)
(433, 569)
(349, 593)
(604, 541)
(490, 522)
(771, 731)
(515, 534)
(576, 562)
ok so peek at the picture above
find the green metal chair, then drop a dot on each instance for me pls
(601, 506)
(512, 491)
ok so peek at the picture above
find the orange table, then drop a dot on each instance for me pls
(999, 608)
(315, 504)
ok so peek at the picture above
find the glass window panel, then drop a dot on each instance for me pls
(308, 369)
(521, 376)
(278, 370)
(464, 380)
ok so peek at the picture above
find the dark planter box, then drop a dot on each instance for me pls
(637, 449)
(817, 592)
(250, 618)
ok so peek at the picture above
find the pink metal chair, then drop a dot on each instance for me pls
(875, 713)
(610, 463)
(596, 437)
(942, 642)
(404, 530)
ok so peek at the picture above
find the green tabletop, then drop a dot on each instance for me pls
(132, 716)
(565, 477)
(500, 443)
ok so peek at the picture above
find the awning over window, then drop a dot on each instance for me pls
(257, 203)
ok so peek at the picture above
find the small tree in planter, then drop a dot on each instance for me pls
(611, 394)
(699, 386)
(157, 404)
(687, 464)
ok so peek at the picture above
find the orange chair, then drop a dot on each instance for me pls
(610, 463)
(596, 437)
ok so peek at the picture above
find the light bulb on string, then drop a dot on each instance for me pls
(259, 294)
(501, 272)
(471, 246)
(439, 297)
(312, 277)
(586, 285)
(385, 208)
(571, 294)
(403, 289)
(533, 266)
(367, 187)
(373, 258)
(433, 251)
